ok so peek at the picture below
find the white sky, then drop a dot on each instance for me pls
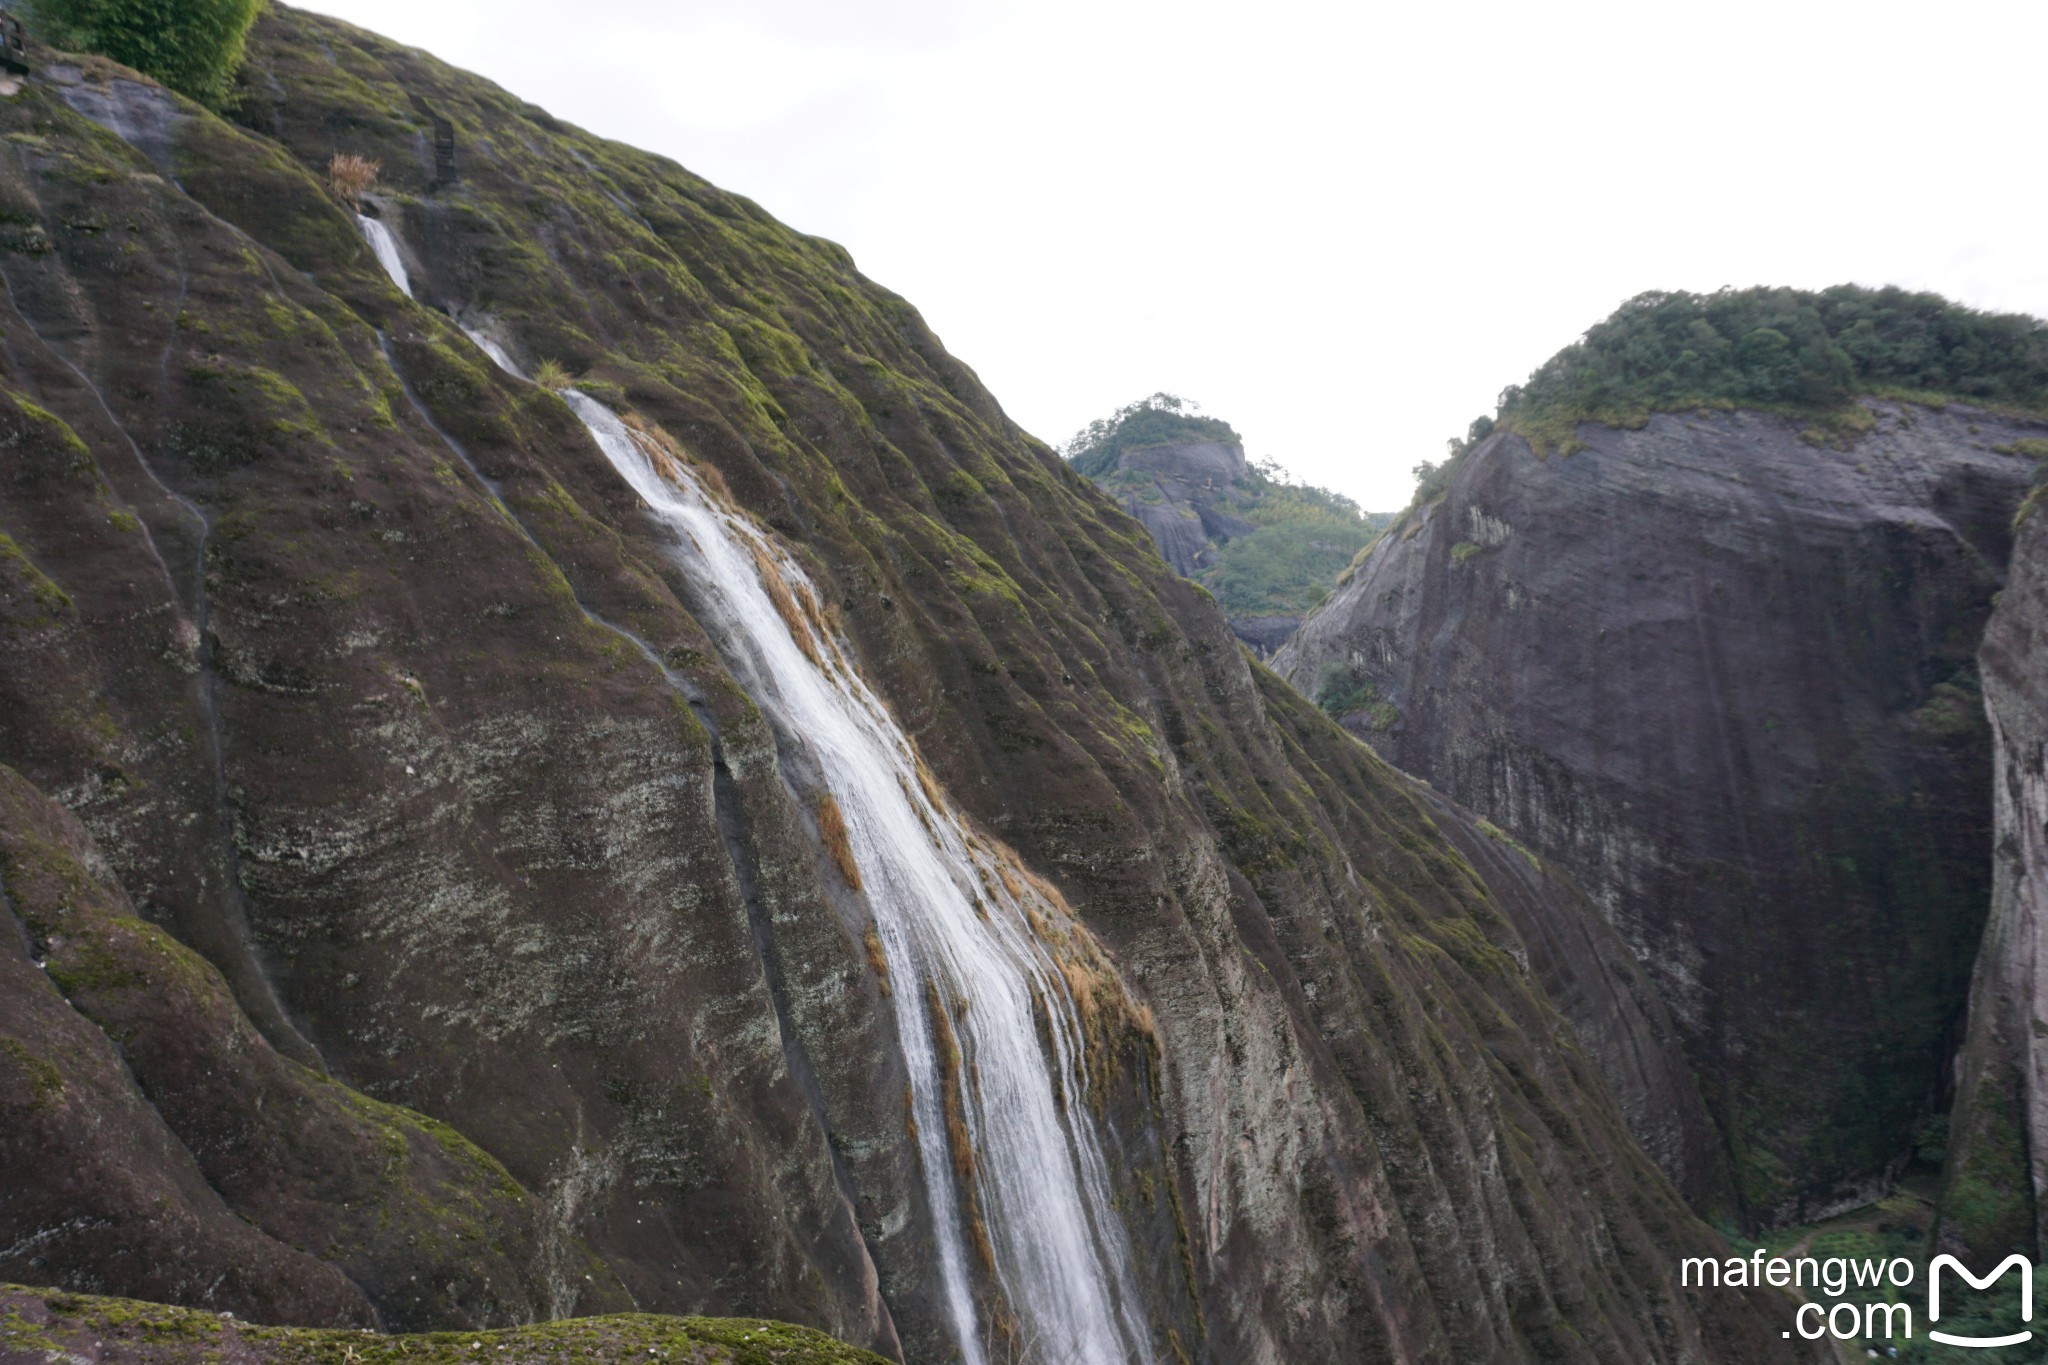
(1342, 227)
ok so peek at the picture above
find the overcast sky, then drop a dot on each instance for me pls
(1342, 227)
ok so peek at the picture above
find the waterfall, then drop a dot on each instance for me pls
(980, 954)
(386, 248)
(996, 989)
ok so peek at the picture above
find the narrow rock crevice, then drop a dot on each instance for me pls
(235, 950)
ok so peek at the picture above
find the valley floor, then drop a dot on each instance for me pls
(1902, 1225)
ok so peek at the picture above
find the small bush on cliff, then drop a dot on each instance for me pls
(351, 176)
(1343, 688)
(193, 46)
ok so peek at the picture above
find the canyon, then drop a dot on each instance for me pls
(561, 758)
(443, 902)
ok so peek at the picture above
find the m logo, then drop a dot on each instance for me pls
(2014, 1261)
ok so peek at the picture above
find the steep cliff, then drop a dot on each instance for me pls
(1997, 1177)
(1719, 664)
(410, 809)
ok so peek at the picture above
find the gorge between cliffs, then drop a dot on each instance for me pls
(571, 785)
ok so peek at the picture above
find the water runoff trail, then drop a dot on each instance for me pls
(993, 983)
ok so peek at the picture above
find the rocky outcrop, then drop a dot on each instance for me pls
(1183, 496)
(380, 699)
(1721, 669)
(1997, 1176)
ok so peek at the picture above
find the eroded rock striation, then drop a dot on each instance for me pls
(1720, 668)
(377, 799)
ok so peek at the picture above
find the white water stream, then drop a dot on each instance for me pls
(386, 248)
(986, 971)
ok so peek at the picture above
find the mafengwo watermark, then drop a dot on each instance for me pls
(1837, 1276)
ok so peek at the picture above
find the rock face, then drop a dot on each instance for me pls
(1724, 676)
(1993, 1191)
(411, 919)
(1186, 499)
(1611, 1000)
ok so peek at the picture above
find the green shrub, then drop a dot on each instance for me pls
(1342, 689)
(192, 46)
(1790, 348)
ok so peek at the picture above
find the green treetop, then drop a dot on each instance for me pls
(192, 46)
(1775, 350)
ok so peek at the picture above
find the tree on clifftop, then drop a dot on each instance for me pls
(192, 46)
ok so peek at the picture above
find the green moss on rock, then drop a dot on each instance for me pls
(56, 1324)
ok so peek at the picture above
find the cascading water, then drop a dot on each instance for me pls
(385, 247)
(992, 981)
(981, 955)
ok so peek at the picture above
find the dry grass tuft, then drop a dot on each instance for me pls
(958, 1141)
(872, 941)
(351, 176)
(786, 605)
(661, 452)
(978, 1230)
(832, 830)
(928, 782)
(553, 375)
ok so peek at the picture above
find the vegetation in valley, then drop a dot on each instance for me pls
(1899, 1227)
(1790, 351)
(193, 46)
(1294, 538)
(1343, 689)
(1305, 536)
